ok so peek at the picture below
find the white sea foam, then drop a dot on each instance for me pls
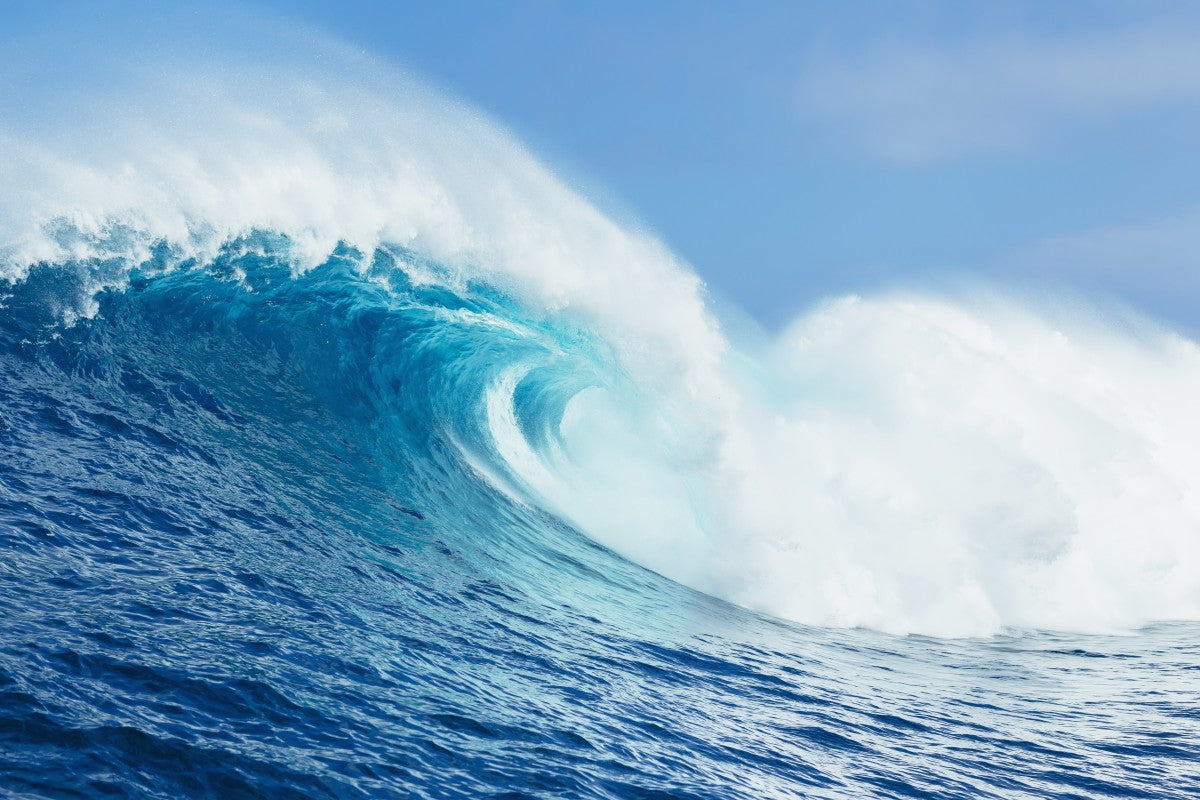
(919, 465)
(903, 462)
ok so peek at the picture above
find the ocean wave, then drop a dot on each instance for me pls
(909, 462)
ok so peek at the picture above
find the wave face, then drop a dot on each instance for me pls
(348, 453)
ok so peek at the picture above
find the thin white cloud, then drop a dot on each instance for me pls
(1153, 258)
(907, 102)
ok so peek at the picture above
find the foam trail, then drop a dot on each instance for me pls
(906, 463)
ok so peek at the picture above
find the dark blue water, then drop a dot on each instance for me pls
(243, 555)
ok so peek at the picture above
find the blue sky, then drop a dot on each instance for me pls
(791, 150)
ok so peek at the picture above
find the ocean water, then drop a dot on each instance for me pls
(245, 556)
(345, 452)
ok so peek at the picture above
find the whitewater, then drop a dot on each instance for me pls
(349, 452)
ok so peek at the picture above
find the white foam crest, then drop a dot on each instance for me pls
(324, 149)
